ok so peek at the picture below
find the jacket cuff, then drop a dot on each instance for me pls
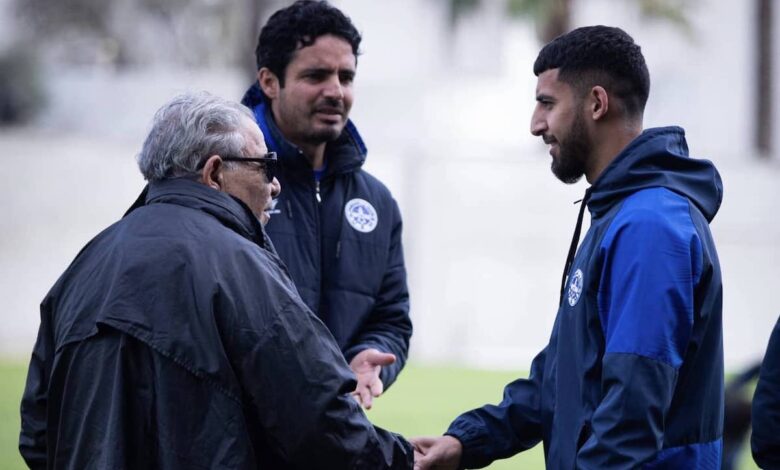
(473, 441)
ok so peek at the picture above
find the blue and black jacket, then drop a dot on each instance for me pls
(340, 237)
(633, 374)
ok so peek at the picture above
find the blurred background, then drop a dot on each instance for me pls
(443, 98)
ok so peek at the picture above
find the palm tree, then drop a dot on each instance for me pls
(553, 18)
(764, 90)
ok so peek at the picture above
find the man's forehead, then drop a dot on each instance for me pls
(254, 137)
(548, 81)
(325, 52)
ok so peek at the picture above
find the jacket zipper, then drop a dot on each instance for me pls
(318, 198)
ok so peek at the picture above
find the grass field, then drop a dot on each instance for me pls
(423, 402)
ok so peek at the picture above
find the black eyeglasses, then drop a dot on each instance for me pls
(267, 163)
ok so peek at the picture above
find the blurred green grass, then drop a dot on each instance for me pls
(12, 376)
(423, 403)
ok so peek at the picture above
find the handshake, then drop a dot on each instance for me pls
(440, 453)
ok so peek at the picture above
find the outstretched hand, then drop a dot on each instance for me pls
(440, 453)
(366, 365)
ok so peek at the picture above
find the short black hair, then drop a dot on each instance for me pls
(297, 26)
(599, 55)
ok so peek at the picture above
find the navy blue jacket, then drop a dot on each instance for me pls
(176, 339)
(633, 374)
(765, 439)
(341, 241)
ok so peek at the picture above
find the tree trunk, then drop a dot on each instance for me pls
(764, 86)
(558, 20)
(256, 13)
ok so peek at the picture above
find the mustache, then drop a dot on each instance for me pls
(330, 106)
(548, 139)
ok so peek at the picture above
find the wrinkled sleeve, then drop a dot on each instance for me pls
(765, 440)
(499, 431)
(651, 262)
(299, 386)
(389, 327)
(32, 438)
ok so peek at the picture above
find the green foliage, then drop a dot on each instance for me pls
(552, 17)
(673, 11)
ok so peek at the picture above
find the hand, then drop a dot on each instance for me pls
(441, 453)
(366, 365)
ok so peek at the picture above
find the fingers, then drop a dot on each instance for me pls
(422, 445)
(441, 453)
(376, 387)
(365, 397)
(379, 358)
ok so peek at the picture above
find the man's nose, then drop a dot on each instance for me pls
(538, 125)
(334, 89)
(276, 188)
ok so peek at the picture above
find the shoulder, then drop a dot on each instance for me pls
(652, 214)
(373, 184)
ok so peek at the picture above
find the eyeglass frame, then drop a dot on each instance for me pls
(268, 160)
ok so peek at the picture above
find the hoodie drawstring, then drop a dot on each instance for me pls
(575, 241)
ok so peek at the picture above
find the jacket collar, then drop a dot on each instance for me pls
(230, 211)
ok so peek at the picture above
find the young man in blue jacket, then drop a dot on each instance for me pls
(338, 229)
(632, 376)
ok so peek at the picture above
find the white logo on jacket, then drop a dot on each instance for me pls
(361, 215)
(575, 288)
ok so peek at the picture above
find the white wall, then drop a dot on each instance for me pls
(486, 224)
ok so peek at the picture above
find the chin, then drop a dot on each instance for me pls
(327, 133)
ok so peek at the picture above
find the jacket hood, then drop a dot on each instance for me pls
(346, 153)
(658, 157)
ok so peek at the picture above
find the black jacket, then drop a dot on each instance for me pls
(765, 439)
(341, 240)
(176, 340)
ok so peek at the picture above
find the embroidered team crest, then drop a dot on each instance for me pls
(361, 215)
(575, 288)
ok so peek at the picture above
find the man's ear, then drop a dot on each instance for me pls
(269, 83)
(599, 103)
(211, 174)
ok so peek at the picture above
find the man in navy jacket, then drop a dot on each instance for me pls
(632, 376)
(176, 339)
(765, 439)
(338, 229)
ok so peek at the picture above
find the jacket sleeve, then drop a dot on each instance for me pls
(765, 440)
(32, 438)
(499, 431)
(652, 261)
(299, 391)
(389, 327)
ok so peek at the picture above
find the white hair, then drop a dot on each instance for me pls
(189, 129)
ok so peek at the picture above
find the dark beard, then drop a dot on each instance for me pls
(325, 135)
(569, 167)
